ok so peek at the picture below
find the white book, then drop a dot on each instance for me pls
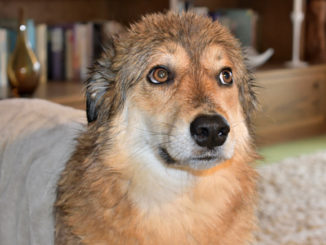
(41, 50)
(90, 45)
(3, 59)
(78, 33)
(82, 49)
(69, 69)
(111, 28)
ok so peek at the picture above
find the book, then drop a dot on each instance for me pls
(3, 60)
(11, 26)
(83, 49)
(65, 51)
(78, 49)
(83, 53)
(69, 43)
(41, 50)
(102, 32)
(89, 43)
(110, 29)
(31, 33)
(97, 40)
(57, 52)
(241, 22)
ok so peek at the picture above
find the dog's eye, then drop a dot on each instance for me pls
(225, 77)
(159, 75)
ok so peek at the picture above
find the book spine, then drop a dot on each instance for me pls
(31, 35)
(97, 41)
(77, 34)
(3, 62)
(65, 51)
(57, 51)
(83, 52)
(69, 42)
(3, 58)
(90, 43)
(41, 50)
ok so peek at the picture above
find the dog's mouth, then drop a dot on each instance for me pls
(168, 159)
(164, 154)
(205, 158)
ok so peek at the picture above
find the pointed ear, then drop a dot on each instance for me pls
(100, 81)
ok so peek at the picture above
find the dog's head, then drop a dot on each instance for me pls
(177, 85)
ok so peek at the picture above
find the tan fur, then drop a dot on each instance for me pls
(115, 188)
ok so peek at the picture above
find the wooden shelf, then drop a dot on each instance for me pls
(66, 11)
(69, 93)
(293, 103)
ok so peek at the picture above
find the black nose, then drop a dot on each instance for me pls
(209, 130)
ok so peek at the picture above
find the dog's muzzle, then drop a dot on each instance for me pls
(209, 131)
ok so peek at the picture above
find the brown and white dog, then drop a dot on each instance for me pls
(164, 159)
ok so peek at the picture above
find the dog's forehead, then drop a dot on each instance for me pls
(194, 33)
(171, 53)
(212, 56)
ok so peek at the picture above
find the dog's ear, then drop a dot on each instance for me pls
(100, 80)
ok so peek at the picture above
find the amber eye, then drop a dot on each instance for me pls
(225, 77)
(159, 74)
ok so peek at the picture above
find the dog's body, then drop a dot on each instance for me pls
(165, 157)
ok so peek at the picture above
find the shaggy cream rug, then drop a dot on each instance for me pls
(292, 206)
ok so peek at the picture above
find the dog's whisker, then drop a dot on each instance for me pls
(155, 133)
(235, 124)
(170, 125)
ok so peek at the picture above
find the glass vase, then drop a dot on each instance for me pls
(23, 66)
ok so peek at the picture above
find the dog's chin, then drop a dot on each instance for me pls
(201, 162)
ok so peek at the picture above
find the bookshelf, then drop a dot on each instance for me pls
(68, 93)
(292, 100)
(63, 11)
(274, 30)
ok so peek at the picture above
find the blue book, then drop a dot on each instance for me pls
(12, 25)
(31, 35)
(56, 54)
(241, 22)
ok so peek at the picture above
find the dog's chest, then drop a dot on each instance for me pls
(181, 222)
(173, 208)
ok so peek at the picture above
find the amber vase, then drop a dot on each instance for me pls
(23, 66)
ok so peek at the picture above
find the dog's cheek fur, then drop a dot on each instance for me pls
(247, 96)
(104, 95)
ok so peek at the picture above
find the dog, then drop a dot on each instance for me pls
(166, 155)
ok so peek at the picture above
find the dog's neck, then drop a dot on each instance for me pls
(151, 183)
(155, 187)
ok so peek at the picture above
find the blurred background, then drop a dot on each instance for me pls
(67, 36)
